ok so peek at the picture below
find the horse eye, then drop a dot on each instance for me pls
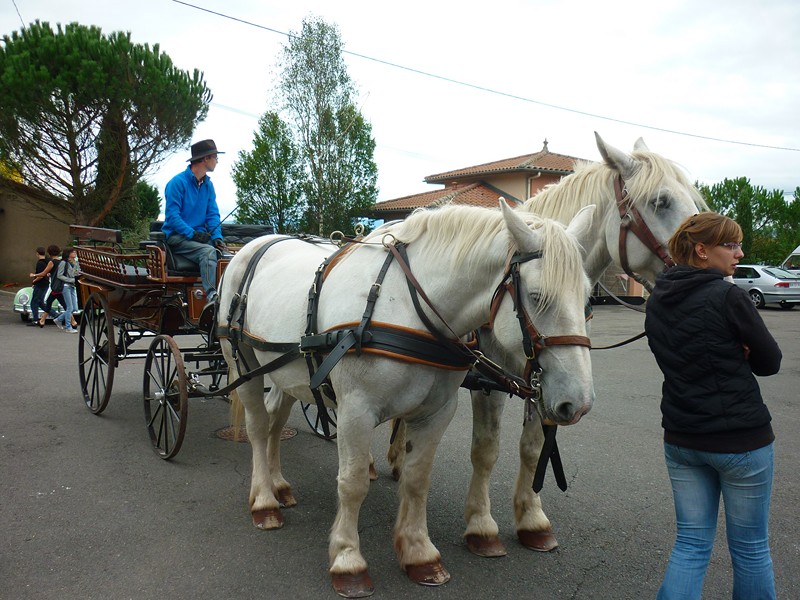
(661, 201)
(535, 297)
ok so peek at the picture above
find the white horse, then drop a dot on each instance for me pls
(663, 197)
(459, 256)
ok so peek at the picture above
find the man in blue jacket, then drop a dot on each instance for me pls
(191, 216)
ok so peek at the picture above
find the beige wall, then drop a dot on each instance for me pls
(28, 221)
(521, 185)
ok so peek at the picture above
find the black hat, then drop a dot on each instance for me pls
(203, 149)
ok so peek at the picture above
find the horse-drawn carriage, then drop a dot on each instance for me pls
(467, 261)
(148, 293)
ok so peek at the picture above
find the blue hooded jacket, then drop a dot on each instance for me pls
(191, 206)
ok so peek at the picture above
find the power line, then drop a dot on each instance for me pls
(498, 92)
(14, 2)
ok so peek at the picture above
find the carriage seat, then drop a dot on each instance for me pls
(232, 234)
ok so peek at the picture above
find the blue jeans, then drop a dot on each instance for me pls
(745, 481)
(37, 301)
(71, 298)
(204, 255)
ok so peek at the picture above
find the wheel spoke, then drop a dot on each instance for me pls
(166, 406)
(96, 353)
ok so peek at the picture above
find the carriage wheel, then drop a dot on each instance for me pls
(166, 397)
(315, 420)
(97, 353)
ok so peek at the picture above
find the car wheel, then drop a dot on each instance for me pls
(787, 305)
(757, 298)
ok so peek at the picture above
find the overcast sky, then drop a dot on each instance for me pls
(675, 73)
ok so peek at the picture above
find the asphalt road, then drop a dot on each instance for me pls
(87, 510)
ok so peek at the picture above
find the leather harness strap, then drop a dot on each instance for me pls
(631, 220)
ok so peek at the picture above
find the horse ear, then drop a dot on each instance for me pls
(581, 225)
(616, 159)
(526, 239)
(640, 146)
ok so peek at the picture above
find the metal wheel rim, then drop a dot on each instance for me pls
(97, 354)
(314, 421)
(757, 299)
(166, 397)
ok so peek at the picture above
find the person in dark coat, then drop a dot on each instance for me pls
(41, 283)
(710, 343)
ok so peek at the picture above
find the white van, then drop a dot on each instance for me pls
(792, 262)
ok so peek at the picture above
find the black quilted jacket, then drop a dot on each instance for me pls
(698, 327)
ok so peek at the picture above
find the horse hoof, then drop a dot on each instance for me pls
(286, 498)
(373, 474)
(541, 541)
(353, 585)
(486, 546)
(430, 574)
(268, 518)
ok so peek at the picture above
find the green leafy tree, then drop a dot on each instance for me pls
(770, 225)
(84, 115)
(269, 178)
(335, 141)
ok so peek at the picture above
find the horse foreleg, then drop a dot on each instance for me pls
(349, 574)
(415, 551)
(264, 506)
(279, 406)
(482, 531)
(533, 527)
(397, 448)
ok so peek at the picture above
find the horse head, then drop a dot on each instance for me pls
(653, 195)
(547, 302)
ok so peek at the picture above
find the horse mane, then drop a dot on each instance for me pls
(590, 181)
(467, 233)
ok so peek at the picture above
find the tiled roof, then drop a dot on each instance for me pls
(474, 194)
(544, 160)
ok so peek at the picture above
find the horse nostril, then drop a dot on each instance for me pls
(565, 412)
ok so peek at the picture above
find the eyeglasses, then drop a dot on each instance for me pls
(732, 245)
(214, 156)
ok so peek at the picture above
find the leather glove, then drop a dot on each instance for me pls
(201, 236)
(220, 245)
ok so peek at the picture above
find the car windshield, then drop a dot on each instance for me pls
(781, 273)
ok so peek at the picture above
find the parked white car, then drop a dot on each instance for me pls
(768, 285)
(792, 262)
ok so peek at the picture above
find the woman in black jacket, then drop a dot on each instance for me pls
(709, 342)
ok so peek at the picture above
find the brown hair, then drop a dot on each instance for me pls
(707, 228)
(53, 250)
(40, 250)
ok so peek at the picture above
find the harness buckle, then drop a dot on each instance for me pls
(531, 401)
